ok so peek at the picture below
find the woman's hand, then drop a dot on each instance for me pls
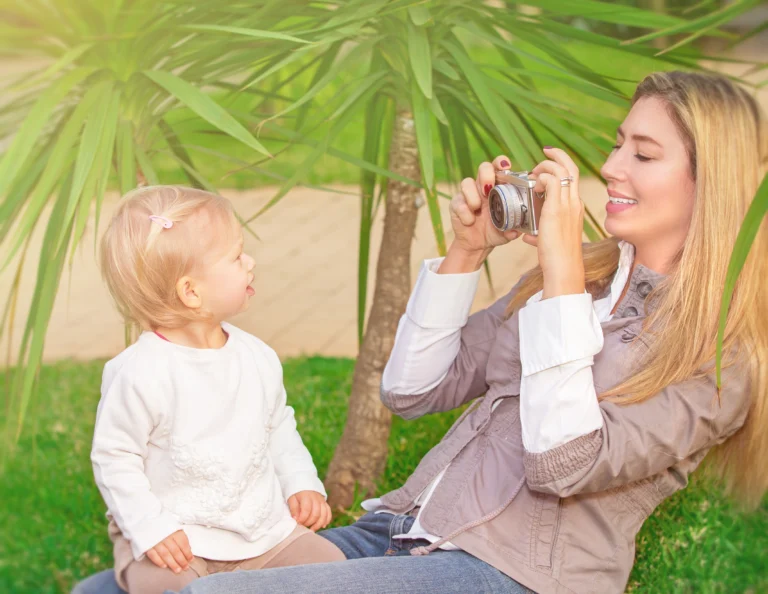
(560, 226)
(474, 233)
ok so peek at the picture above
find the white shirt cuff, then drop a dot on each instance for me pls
(442, 301)
(557, 331)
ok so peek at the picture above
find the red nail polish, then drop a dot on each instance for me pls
(504, 163)
(487, 188)
(547, 147)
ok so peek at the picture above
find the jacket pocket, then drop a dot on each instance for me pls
(546, 527)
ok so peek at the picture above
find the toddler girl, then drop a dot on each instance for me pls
(195, 450)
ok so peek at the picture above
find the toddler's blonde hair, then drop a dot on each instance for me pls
(141, 261)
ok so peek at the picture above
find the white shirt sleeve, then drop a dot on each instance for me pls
(558, 340)
(429, 333)
(292, 461)
(125, 420)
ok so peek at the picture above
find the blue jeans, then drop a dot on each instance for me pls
(377, 564)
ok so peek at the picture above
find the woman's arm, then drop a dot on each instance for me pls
(440, 354)
(637, 441)
(439, 357)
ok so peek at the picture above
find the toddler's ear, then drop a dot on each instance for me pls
(188, 293)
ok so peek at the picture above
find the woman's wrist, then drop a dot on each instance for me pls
(570, 282)
(460, 260)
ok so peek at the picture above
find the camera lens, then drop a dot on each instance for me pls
(507, 206)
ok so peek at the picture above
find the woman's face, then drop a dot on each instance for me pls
(650, 186)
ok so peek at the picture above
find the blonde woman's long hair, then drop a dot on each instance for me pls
(726, 136)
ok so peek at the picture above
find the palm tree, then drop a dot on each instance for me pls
(428, 102)
(438, 82)
(100, 113)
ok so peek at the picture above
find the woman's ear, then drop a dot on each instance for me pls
(188, 293)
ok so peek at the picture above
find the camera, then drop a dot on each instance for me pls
(514, 204)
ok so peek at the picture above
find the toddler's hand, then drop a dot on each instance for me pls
(310, 509)
(172, 552)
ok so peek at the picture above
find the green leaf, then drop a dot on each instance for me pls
(60, 160)
(65, 60)
(460, 142)
(608, 12)
(372, 132)
(490, 102)
(145, 164)
(749, 228)
(702, 24)
(419, 54)
(205, 107)
(93, 132)
(446, 69)
(421, 118)
(437, 110)
(126, 161)
(437, 221)
(419, 15)
(29, 132)
(258, 34)
(50, 266)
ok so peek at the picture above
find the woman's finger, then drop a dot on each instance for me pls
(486, 178)
(546, 182)
(502, 162)
(564, 160)
(531, 240)
(552, 168)
(471, 194)
(461, 210)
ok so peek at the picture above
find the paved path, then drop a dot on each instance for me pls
(306, 272)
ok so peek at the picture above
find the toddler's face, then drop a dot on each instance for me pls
(226, 277)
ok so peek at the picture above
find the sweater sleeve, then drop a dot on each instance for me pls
(126, 417)
(440, 355)
(639, 440)
(558, 340)
(292, 461)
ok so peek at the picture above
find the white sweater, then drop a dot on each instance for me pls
(200, 440)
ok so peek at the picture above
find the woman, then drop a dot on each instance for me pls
(596, 369)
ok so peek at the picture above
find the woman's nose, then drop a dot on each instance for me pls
(612, 168)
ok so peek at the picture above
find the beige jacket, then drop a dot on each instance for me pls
(565, 520)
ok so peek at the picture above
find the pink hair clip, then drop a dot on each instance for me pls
(162, 221)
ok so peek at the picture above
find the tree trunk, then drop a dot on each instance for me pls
(361, 455)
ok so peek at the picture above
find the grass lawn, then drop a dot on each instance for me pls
(53, 531)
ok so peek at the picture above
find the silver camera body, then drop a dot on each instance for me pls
(514, 204)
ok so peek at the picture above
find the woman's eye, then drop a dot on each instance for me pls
(642, 158)
(616, 147)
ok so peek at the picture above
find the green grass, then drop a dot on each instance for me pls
(53, 530)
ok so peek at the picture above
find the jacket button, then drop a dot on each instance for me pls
(628, 337)
(644, 289)
(630, 312)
